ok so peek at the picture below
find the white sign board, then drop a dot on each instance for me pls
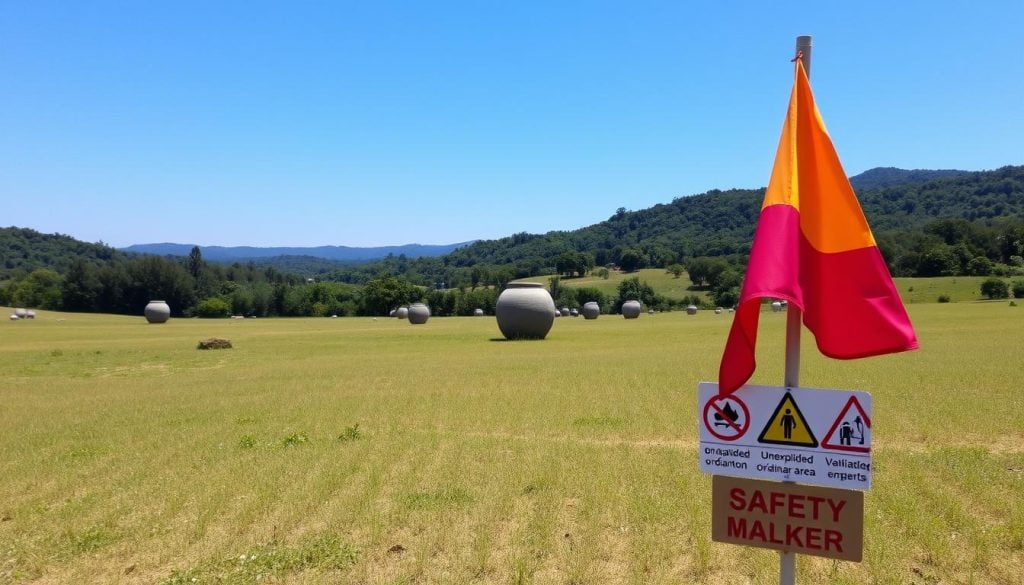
(804, 435)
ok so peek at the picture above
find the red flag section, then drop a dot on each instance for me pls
(813, 248)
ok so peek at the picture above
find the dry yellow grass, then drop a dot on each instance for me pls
(128, 456)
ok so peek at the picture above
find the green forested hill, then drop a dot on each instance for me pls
(24, 250)
(721, 223)
(881, 177)
(927, 223)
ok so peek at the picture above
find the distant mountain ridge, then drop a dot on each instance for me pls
(881, 177)
(340, 253)
(876, 178)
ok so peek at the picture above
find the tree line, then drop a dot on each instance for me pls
(958, 224)
(945, 223)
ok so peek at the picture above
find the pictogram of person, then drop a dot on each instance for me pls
(788, 422)
(845, 434)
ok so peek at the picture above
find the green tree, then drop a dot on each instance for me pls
(81, 287)
(676, 270)
(262, 299)
(384, 293)
(212, 308)
(937, 260)
(705, 271)
(726, 290)
(574, 263)
(586, 295)
(242, 301)
(630, 260)
(40, 289)
(195, 262)
(554, 286)
(632, 289)
(979, 266)
(565, 264)
(152, 277)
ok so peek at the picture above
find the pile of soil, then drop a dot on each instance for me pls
(215, 343)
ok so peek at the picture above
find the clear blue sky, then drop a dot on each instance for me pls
(380, 123)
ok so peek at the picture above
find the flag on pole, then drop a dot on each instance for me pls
(813, 248)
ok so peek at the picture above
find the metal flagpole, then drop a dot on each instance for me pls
(787, 560)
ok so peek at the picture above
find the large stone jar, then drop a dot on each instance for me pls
(525, 310)
(157, 312)
(418, 313)
(691, 310)
(402, 313)
(21, 313)
(478, 312)
(631, 309)
(591, 310)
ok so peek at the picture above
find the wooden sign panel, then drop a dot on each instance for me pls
(791, 517)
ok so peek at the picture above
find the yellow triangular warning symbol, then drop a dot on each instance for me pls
(787, 426)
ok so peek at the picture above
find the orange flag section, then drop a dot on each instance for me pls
(808, 176)
(814, 248)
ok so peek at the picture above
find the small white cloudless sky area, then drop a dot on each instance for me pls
(388, 123)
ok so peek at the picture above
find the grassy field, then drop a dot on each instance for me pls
(927, 290)
(372, 451)
(662, 282)
(912, 290)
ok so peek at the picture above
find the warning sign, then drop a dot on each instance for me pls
(787, 426)
(749, 433)
(726, 418)
(851, 430)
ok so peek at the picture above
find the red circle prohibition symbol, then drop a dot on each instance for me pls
(733, 430)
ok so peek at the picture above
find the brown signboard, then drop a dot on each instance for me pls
(790, 517)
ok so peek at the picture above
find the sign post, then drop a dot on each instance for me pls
(787, 560)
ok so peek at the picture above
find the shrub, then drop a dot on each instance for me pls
(212, 308)
(295, 439)
(1018, 289)
(995, 288)
(351, 433)
(943, 298)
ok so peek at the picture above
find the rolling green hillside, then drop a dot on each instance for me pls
(927, 224)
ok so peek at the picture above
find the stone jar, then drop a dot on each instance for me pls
(418, 313)
(631, 309)
(591, 310)
(776, 307)
(691, 310)
(21, 313)
(478, 312)
(402, 313)
(157, 312)
(525, 310)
